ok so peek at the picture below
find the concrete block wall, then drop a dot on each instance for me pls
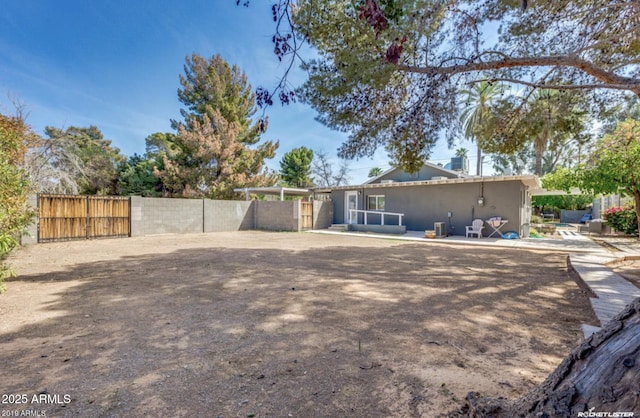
(228, 215)
(150, 216)
(572, 216)
(277, 216)
(154, 216)
(322, 214)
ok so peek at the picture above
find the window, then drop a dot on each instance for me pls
(376, 202)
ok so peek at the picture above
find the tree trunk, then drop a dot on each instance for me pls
(479, 162)
(538, 170)
(600, 375)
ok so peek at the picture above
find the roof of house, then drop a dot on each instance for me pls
(529, 180)
(428, 164)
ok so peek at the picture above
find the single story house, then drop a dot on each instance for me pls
(434, 195)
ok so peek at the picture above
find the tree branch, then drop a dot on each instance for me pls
(610, 80)
(543, 85)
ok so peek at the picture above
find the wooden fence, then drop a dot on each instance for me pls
(70, 217)
(306, 213)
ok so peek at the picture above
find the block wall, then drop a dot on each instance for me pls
(152, 216)
(155, 216)
(277, 216)
(228, 215)
(322, 214)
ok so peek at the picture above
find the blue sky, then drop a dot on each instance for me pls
(116, 64)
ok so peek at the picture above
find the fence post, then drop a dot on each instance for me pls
(87, 222)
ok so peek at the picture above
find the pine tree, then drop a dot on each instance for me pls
(295, 167)
(216, 147)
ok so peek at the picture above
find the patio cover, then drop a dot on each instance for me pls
(276, 190)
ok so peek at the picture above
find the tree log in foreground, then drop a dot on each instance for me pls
(600, 375)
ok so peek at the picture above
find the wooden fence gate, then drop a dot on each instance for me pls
(70, 217)
(306, 213)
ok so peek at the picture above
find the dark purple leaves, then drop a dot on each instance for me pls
(395, 50)
(281, 45)
(376, 18)
(263, 97)
(287, 97)
(374, 15)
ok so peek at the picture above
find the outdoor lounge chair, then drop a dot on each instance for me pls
(476, 228)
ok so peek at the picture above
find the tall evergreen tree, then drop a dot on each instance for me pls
(216, 146)
(295, 167)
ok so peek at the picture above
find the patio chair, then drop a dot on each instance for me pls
(475, 229)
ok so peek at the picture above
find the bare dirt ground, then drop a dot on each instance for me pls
(260, 324)
(630, 270)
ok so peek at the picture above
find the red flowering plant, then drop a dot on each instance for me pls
(622, 219)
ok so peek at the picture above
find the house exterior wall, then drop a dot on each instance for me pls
(423, 205)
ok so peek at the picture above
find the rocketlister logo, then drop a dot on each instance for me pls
(591, 413)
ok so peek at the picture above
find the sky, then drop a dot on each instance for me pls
(116, 65)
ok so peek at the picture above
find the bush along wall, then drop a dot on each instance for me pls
(622, 219)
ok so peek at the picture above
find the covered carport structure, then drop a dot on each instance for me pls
(274, 191)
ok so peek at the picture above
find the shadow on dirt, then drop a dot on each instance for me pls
(340, 331)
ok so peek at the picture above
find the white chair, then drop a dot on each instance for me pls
(475, 229)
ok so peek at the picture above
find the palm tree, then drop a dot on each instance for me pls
(477, 116)
(552, 119)
(462, 152)
(375, 172)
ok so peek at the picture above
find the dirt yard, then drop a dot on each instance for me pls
(262, 324)
(630, 270)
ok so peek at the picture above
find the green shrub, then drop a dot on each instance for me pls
(536, 219)
(15, 215)
(622, 219)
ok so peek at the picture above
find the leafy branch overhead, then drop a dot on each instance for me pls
(388, 72)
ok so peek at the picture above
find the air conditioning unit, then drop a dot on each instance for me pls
(460, 164)
(441, 229)
(439, 178)
(386, 181)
